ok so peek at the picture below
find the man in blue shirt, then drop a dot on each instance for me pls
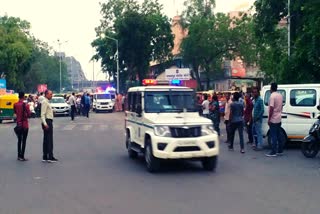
(87, 104)
(258, 110)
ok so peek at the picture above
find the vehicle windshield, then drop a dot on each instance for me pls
(170, 101)
(103, 96)
(57, 100)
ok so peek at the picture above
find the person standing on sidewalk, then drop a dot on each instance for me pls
(236, 121)
(227, 116)
(22, 112)
(258, 110)
(72, 101)
(47, 127)
(274, 121)
(248, 116)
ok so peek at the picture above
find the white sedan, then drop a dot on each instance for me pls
(59, 106)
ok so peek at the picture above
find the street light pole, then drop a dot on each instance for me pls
(60, 59)
(117, 43)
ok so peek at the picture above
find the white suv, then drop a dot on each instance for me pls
(162, 122)
(103, 102)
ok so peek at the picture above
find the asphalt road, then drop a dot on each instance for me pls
(94, 175)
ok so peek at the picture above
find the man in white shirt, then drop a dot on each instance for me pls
(205, 106)
(227, 116)
(47, 126)
(72, 101)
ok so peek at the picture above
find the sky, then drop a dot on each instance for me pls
(72, 22)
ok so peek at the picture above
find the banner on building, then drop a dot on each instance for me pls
(177, 73)
(42, 88)
(238, 72)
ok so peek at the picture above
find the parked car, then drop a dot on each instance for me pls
(59, 106)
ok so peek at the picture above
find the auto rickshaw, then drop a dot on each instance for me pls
(6, 106)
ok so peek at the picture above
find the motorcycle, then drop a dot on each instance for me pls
(311, 143)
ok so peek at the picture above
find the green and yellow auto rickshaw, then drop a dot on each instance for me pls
(6, 106)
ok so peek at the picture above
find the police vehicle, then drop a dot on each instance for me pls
(162, 122)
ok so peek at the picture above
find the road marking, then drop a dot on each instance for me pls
(69, 127)
(103, 127)
(86, 127)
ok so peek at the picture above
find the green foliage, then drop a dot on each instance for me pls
(143, 33)
(214, 38)
(25, 61)
(303, 65)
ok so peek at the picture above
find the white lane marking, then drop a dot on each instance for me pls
(103, 127)
(68, 127)
(85, 127)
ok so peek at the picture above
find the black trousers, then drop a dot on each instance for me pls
(48, 140)
(73, 111)
(22, 140)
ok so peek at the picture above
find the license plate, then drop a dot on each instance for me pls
(187, 143)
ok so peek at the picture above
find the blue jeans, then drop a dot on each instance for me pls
(257, 129)
(276, 141)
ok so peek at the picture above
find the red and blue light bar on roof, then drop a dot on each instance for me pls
(153, 82)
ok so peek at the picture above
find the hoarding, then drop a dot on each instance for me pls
(3, 83)
(42, 88)
(177, 73)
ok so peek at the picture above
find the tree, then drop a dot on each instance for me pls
(15, 50)
(143, 34)
(303, 63)
(24, 60)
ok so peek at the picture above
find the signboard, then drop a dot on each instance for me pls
(238, 72)
(177, 73)
(42, 88)
(3, 83)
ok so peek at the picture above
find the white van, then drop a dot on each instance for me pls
(103, 101)
(162, 122)
(299, 112)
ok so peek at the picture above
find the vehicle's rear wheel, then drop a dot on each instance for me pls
(210, 163)
(132, 154)
(152, 163)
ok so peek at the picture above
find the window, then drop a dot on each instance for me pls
(170, 101)
(103, 96)
(134, 98)
(303, 97)
(268, 93)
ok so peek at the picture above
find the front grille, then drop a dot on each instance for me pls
(187, 149)
(103, 103)
(185, 132)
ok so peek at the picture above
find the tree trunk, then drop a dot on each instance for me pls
(196, 72)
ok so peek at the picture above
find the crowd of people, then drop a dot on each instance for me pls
(244, 111)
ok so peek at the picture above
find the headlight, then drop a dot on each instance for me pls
(207, 130)
(162, 131)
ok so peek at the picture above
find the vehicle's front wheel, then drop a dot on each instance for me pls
(210, 163)
(132, 154)
(152, 163)
(309, 150)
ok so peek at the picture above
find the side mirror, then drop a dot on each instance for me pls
(139, 110)
(318, 107)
